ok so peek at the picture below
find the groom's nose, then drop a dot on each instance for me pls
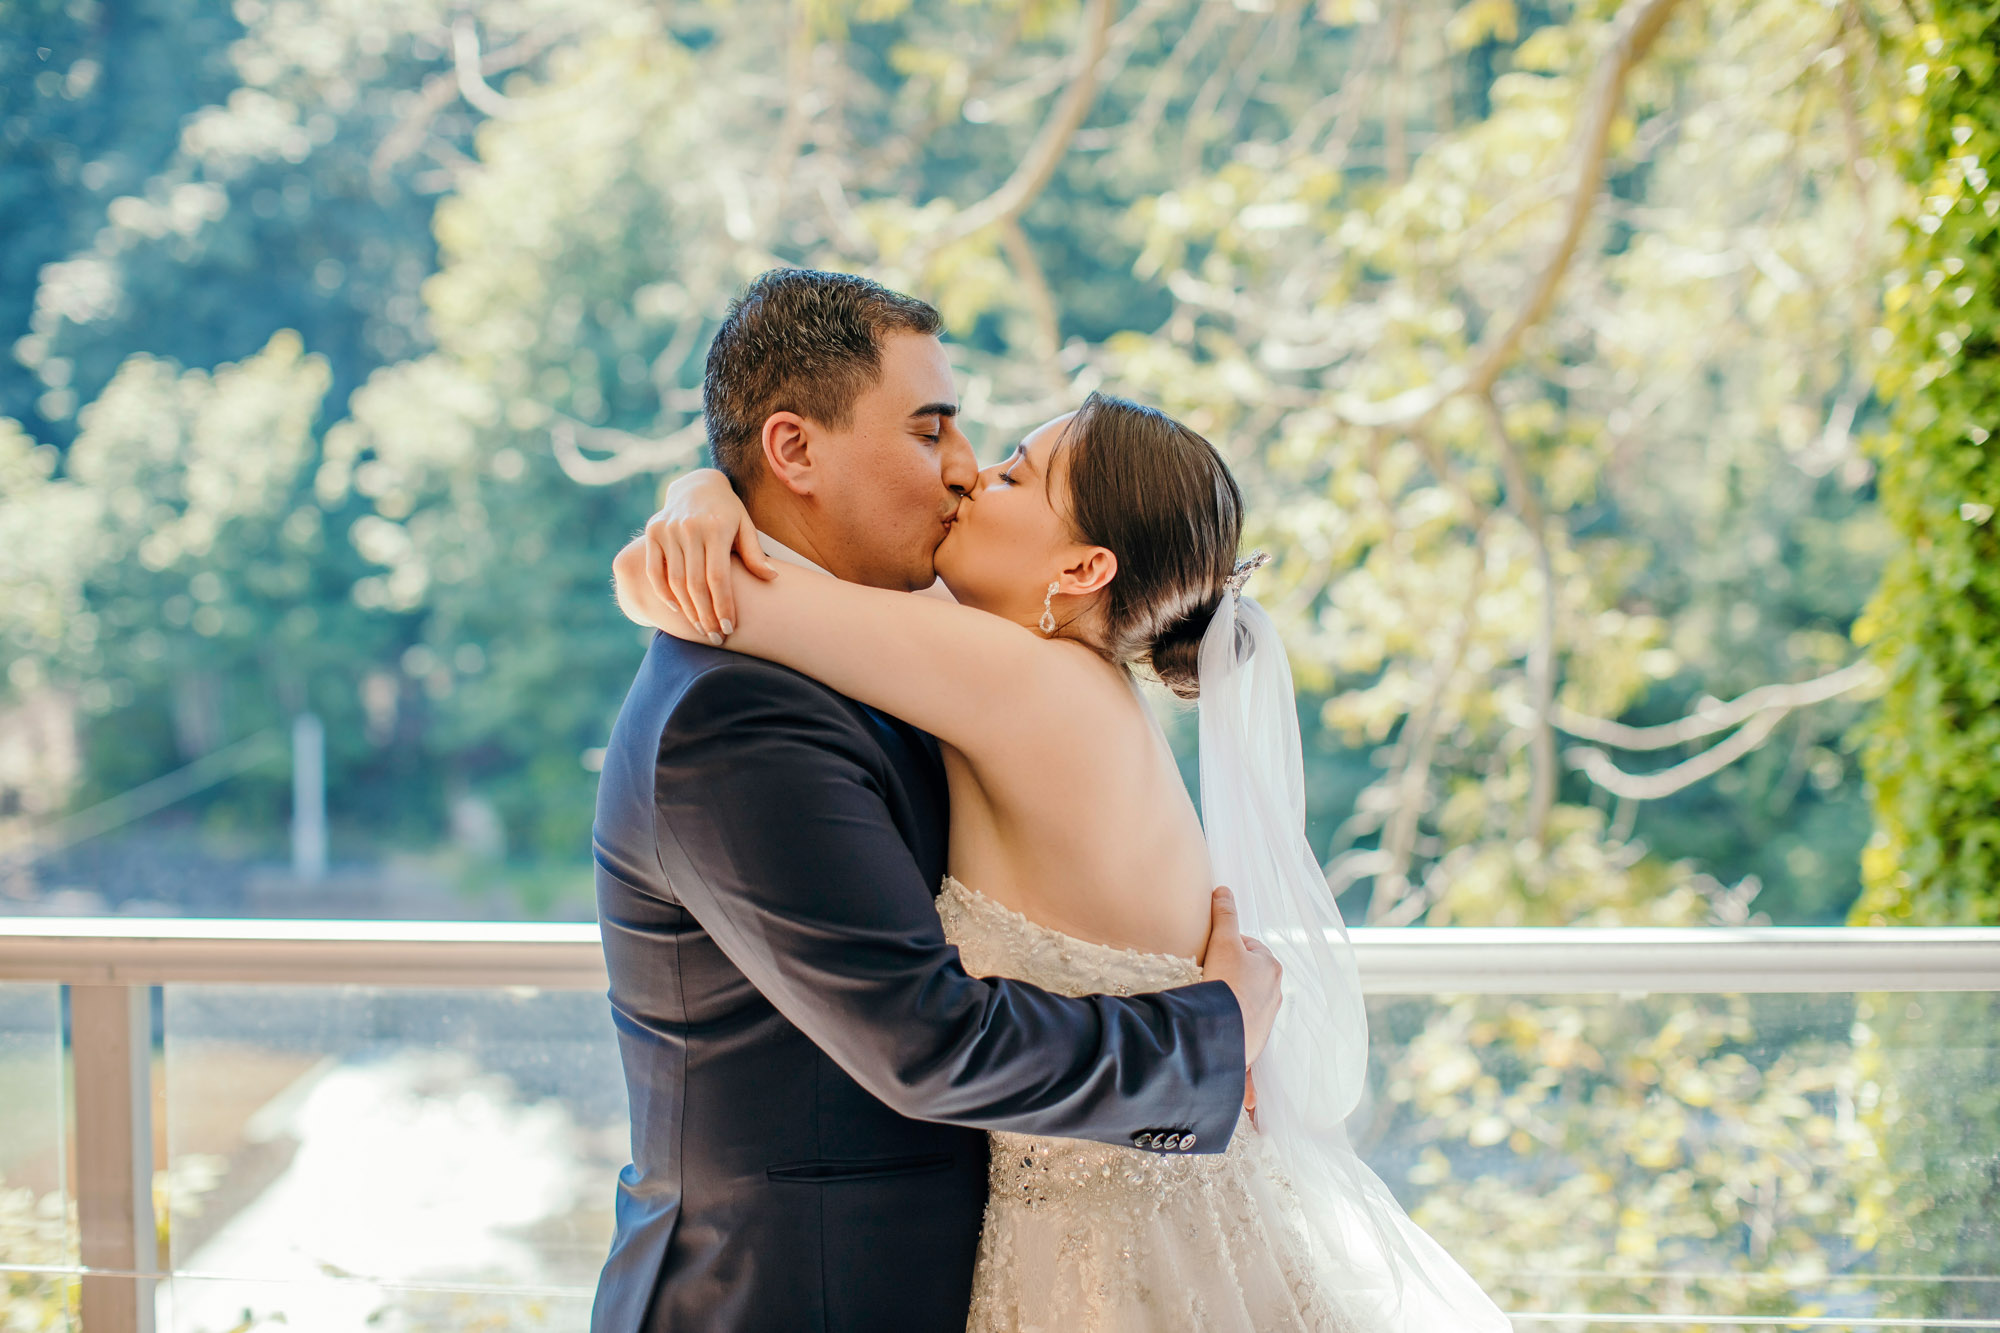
(957, 468)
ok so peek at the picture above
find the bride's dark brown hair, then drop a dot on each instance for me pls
(1159, 497)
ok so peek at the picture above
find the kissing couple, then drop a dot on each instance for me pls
(931, 1015)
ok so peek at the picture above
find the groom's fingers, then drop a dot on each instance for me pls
(1222, 914)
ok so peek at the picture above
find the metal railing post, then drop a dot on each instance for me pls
(111, 1039)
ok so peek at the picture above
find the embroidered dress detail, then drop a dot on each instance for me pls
(1085, 1237)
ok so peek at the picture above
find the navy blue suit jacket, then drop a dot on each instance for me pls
(810, 1069)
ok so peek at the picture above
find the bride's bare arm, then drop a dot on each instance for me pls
(946, 668)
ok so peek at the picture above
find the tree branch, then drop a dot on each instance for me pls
(1138, 132)
(1336, 114)
(1639, 26)
(1035, 293)
(440, 90)
(1721, 717)
(1195, 123)
(1039, 164)
(1597, 766)
(1777, 702)
(1526, 503)
(467, 68)
(792, 129)
(630, 454)
(1419, 746)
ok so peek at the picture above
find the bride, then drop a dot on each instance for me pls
(1107, 542)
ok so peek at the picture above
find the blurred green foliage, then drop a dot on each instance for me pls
(1934, 747)
(1933, 751)
(355, 339)
(352, 340)
(1668, 1155)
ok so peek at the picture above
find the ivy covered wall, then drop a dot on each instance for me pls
(1933, 752)
(1934, 627)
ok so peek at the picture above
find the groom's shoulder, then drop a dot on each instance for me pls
(690, 686)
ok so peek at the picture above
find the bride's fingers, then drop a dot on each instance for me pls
(752, 552)
(697, 606)
(721, 578)
(655, 565)
(677, 580)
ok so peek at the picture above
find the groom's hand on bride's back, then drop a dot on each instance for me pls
(1249, 968)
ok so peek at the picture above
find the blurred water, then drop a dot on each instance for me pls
(388, 1159)
(411, 1171)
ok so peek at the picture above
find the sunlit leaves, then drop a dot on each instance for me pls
(1936, 622)
(1646, 1135)
(1933, 752)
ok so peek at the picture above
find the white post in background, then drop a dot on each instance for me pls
(308, 798)
(111, 1052)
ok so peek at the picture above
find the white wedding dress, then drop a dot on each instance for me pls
(1085, 1237)
(1288, 1230)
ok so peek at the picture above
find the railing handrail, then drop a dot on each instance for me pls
(1393, 961)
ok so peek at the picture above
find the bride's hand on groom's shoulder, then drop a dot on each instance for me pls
(1250, 969)
(681, 563)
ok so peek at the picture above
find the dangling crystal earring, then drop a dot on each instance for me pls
(1048, 615)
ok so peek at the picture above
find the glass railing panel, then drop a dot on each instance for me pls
(413, 1155)
(337, 1305)
(1825, 1157)
(349, 1156)
(37, 1221)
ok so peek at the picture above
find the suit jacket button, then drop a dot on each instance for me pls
(1142, 1140)
(1171, 1142)
(1187, 1142)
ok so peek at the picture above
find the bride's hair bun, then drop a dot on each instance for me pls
(1175, 656)
(1159, 497)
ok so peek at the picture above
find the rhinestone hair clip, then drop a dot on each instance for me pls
(1245, 567)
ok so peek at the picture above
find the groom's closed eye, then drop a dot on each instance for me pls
(928, 420)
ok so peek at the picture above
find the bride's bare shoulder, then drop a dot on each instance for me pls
(1078, 699)
(1080, 672)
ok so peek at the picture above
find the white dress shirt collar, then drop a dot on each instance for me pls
(777, 550)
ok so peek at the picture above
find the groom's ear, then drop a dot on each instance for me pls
(788, 451)
(1089, 574)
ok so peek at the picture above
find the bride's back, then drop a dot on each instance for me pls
(1083, 824)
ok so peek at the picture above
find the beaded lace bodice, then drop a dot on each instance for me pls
(996, 940)
(1093, 1236)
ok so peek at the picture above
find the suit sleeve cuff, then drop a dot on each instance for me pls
(1216, 1059)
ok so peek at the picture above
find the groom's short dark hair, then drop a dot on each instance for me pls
(797, 340)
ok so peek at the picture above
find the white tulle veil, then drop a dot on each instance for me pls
(1310, 1077)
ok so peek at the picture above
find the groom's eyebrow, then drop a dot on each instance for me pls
(946, 410)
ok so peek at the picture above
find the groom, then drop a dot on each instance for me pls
(810, 1068)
